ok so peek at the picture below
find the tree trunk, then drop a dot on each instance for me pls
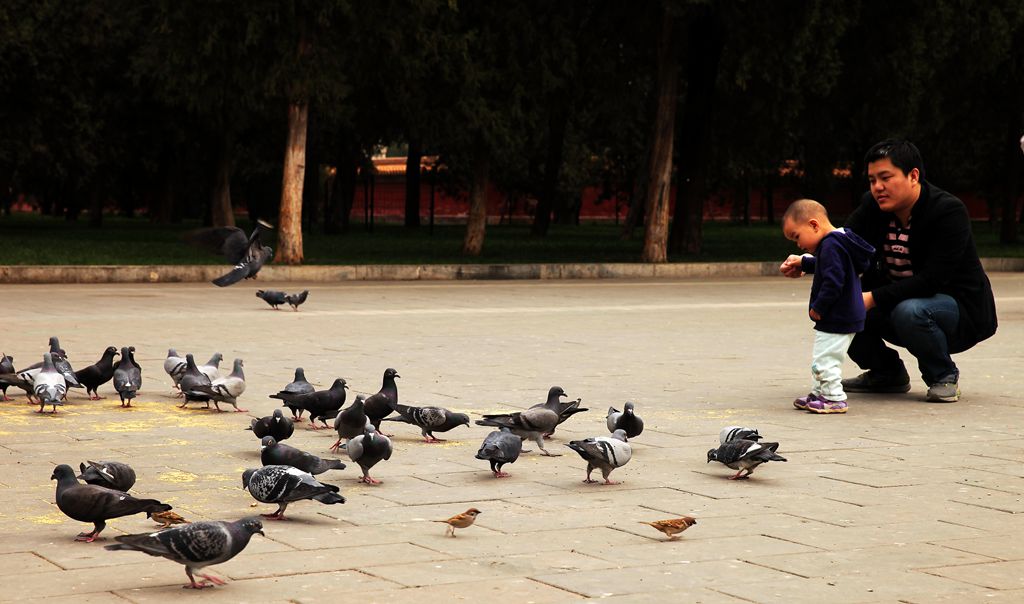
(660, 176)
(703, 54)
(289, 229)
(476, 224)
(549, 199)
(412, 182)
(221, 212)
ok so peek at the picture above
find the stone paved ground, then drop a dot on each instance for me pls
(899, 500)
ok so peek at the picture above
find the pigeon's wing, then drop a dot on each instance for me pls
(430, 417)
(229, 242)
(355, 448)
(239, 272)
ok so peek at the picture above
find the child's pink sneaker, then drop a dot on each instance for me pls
(801, 402)
(823, 405)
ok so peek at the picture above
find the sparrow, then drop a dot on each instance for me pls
(463, 520)
(674, 526)
(167, 518)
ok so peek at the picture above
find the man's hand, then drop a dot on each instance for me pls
(790, 267)
(814, 315)
(869, 300)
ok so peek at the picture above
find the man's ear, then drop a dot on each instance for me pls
(914, 176)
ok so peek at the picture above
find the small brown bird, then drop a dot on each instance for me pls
(463, 520)
(167, 518)
(674, 526)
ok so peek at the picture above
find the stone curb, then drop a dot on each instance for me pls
(414, 272)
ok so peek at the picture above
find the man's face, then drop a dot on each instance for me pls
(806, 235)
(893, 190)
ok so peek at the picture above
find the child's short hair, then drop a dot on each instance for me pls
(804, 209)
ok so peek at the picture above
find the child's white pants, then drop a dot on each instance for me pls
(827, 364)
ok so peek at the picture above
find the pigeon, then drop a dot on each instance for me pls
(127, 377)
(273, 453)
(272, 297)
(298, 386)
(500, 447)
(189, 382)
(367, 450)
(738, 433)
(564, 410)
(23, 379)
(674, 526)
(247, 254)
(6, 367)
(94, 376)
(744, 455)
(60, 361)
(533, 423)
(625, 420)
(96, 504)
(196, 545)
(296, 300)
(463, 520)
(350, 422)
(226, 389)
(174, 366)
(48, 385)
(212, 367)
(166, 519)
(276, 425)
(604, 453)
(111, 474)
(54, 344)
(379, 405)
(320, 403)
(285, 484)
(429, 420)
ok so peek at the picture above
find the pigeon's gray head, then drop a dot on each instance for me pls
(216, 359)
(191, 361)
(267, 442)
(252, 525)
(246, 477)
(391, 373)
(110, 351)
(620, 435)
(48, 361)
(339, 383)
(300, 374)
(712, 455)
(62, 471)
(462, 418)
(629, 407)
(278, 416)
(556, 391)
(171, 353)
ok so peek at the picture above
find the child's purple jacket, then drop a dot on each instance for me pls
(835, 293)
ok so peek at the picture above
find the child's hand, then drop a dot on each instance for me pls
(790, 267)
(814, 315)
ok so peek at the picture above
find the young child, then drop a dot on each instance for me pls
(836, 257)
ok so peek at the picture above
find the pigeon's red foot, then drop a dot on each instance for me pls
(606, 481)
(274, 516)
(370, 481)
(88, 537)
(589, 481)
(214, 580)
(241, 410)
(435, 440)
(500, 474)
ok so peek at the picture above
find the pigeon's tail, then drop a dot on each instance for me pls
(493, 421)
(329, 464)
(396, 419)
(330, 498)
(566, 414)
(776, 457)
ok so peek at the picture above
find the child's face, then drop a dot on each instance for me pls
(806, 235)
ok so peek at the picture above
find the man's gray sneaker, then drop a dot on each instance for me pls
(943, 392)
(873, 381)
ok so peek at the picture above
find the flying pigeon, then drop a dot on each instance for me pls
(298, 386)
(284, 484)
(500, 447)
(674, 526)
(95, 504)
(320, 404)
(189, 382)
(212, 367)
(111, 474)
(744, 455)
(274, 453)
(196, 545)
(272, 297)
(463, 520)
(738, 433)
(564, 410)
(533, 423)
(429, 420)
(247, 254)
(94, 376)
(380, 404)
(625, 420)
(6, 367)
(127, 377)
(350, 422)
(226, 389)
(367, 450)
(276, 425)
(604, 453)
(174, 366)
(48, 385)
(296, 300)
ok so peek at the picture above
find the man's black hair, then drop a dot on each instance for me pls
(902, 153)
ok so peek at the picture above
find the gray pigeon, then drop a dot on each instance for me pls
(272, 297)
(212, 367)
(95, 504)
(625, 420)
(97, 374)
(23, 379)
(273, 453)
(127, 377)
(226, 389)
(174, 366)
(196, 545)
(284, 484)
(48, 385)
(604, 453)
(350, 422)
(298, 386)
(500, 447)
(276, 425)
(247, 254)
(368, 449)
(533, 423)
(380, 404)
(111, 474)
(429, 420)
(564, 410)
(738, 433)
(60, 361)
(189, 382)
(744, 455)
(296, 300)
(6, 367)
(320, 404)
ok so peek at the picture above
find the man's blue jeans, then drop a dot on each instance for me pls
(923, 326)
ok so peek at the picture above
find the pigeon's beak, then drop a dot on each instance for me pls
(53, 476)
(260, 532)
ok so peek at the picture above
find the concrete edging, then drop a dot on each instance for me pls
(411, 272)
